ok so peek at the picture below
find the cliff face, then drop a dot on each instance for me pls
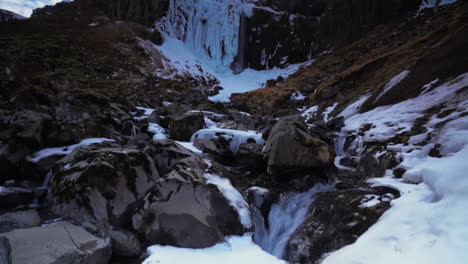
(281, 32)
(140, 11)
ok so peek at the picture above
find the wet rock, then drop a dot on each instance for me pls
(12, 197)
(66, 244)
(336, 219)
(102, 186)
(351, 162)
(182, 127)
(125, 243)
(19, 219)
(368, 167)
(291, 148)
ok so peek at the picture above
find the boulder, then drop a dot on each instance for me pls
(28, 127)
(250, 155)
(186, 214)
(166, 153)
(182, 127)
(59, 242)
(19, 219)
(336, 219)
(102, 186)
(125, 243)
(290, 148)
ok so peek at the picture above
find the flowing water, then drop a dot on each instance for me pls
(284, 218)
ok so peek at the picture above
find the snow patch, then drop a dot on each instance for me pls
(36, 157)
(234, 251)
(236, 137)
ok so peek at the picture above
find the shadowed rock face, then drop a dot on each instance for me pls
(299, 29)
(140, 11)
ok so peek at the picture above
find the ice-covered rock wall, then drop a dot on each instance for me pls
(210, 28)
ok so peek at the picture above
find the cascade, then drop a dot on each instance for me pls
(284, 218)
(209, 28)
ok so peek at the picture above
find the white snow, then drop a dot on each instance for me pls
(190, 146)
(428, 223)
(354, 107)
(235, 250)
(36, 157)
(310, 112)
(237, 137)
(158, 131)
(392, 83)
(387, 121)
(434, 3)
(184, 61)
(297, 96)
(328, 111)
(233, 196)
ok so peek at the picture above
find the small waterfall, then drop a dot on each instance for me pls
(284, 218)
(339, 144)
(210, 28)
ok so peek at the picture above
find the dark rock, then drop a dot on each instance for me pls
(336, 219)
(19, 219)
(5, 251)
(12, 197)
(399, 172)
(186, 214)
(166, 153)
(156, 37)
(351, 162)
(102, 186)
(270, 83)
(125, 243)
(66, 243)
(291, 148)
(336, 124)
(182, 127)
(250, 155)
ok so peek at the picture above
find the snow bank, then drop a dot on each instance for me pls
(434, 3)
(233, 196)
(427, 224)
(387, 121)
(235, 250)
(237, 137)
(36, 157)
(158, 131)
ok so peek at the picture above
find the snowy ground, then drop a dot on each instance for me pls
(429, 222)
(235, 250)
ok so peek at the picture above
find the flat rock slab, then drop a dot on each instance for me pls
(59, 242)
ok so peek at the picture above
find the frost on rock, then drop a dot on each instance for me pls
(234, 251)
(428, 222)
(36, 157)
(233, 196)
(236, 137)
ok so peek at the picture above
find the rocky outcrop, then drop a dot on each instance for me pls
(101, 186)
(290, 148)
(336, 219)
(186, 214)
(12, 197)
(59, 242)
(182, 127)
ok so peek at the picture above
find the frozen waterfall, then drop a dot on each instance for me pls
(284, 218)
(209, 28)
